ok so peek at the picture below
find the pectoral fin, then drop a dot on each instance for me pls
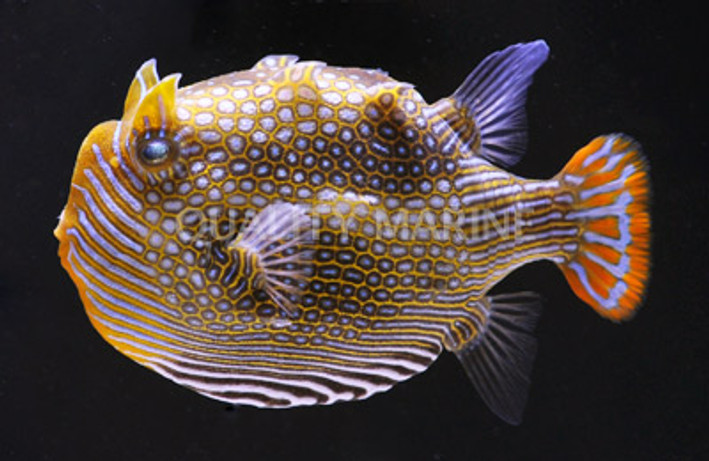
(274, 250)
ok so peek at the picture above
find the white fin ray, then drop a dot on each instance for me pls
(276, 240)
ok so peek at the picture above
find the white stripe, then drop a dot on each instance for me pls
(613, 294)
(114, 269)
(116, 145)
(112, 206)
(110, 284)
(487, 195)
(127, 196)
(610, 186)
(240, 368)
(615, 209)
(479, 178)
(103, 243)
(602, 152)
(106, 224)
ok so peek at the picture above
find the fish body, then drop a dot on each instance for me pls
(300, 234)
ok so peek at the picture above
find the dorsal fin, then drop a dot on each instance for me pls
(492, 121)
(275, 61)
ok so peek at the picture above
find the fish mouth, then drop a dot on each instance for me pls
(59, 230)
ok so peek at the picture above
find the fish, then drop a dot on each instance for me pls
(302, 234)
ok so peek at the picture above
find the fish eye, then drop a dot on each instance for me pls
(153, 151)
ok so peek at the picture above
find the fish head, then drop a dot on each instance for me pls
(139, 151)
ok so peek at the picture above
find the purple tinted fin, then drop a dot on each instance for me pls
(495, 94)
(274, 254)
(499, 359)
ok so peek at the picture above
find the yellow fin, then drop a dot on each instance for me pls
(144, 80)
(156, 110)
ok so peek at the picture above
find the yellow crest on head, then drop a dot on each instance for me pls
(145, 79)
(149, 113)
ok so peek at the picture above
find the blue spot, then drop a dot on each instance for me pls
(364, 293)
(403, 295)
(361, 243)
(346, 164)
(329, 318)
(316, 178)
(388, 310)
(275, 151)
(390, 281)
(349, 306)
(302, 143)
(292, 158)
(379, 248)
(366, 261)
(320, 144)
(407, 186)
(361, 323)
(358, 178)
(433, 167)
(262, 170)
(330, 272)
(419, 151)
(390, 185)
(327, 238)
(385, 168)
(375, 182)
(282, 172)
(357, 149)
(369, 163)
(407, 280)
(240, 167)
(309, 300)
(336, 150)
(308, 160)
(385, 265)
(325, 163)
(255, 153)
(353, 275)
(346, 256)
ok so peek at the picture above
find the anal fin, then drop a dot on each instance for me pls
(499, 359)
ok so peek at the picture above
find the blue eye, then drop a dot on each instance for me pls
(155, 151)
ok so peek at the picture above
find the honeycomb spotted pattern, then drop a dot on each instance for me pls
(410, 231)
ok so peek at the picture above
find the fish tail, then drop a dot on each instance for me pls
(609, 266)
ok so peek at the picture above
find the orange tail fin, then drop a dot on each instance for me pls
(610, 268)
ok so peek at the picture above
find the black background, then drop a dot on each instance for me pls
(599, 390)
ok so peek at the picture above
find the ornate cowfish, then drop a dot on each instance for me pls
(301, 234)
